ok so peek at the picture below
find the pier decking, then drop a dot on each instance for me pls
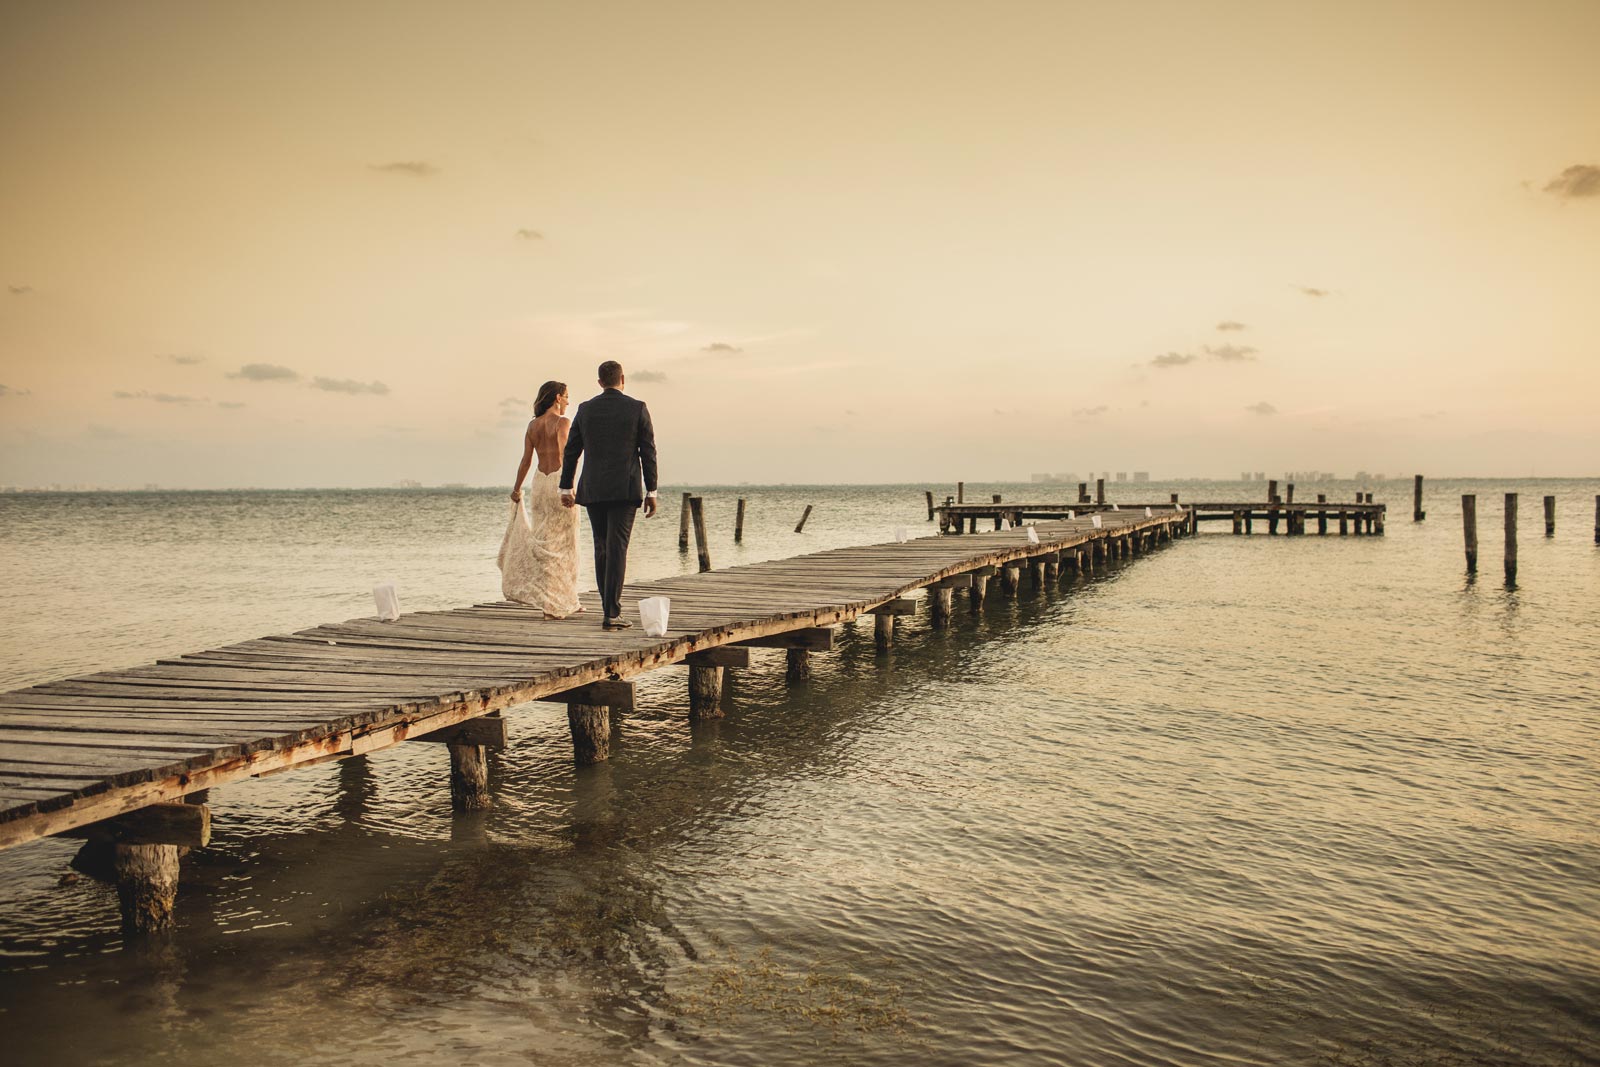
(112, 756)
(1363, 516)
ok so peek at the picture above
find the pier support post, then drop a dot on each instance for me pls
(1322, 514)
(798, 665)
(1511, 538)
(1469, 529)
(941, 599)
(738, 521)
(147, 886)
(979, 592)
(705, 692)
(1036, 573)
(1052, 571)
(883, 631)
(1549, 516)
(1272, 512)
(591, 733)
(1010, 579)
(469, 777)
(1249, 522)
(1344, 522)
(1288, 493)
(1238, 522)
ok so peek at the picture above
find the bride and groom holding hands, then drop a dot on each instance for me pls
(613, 435)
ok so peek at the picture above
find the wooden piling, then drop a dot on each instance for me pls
(1597, 519)
(1322, 514)
(683, 524)
(1010, 579)
(1174, 498)
(591, 733)
(1288, 493)
(1272, 490)
(697, 510)
(147, 886)
(1417, 514)
(801, 525)
(797, 667)
(961, 492)
(1249, 522)
(1469, 529)
(1511, 538)
(1272, 512)
(883, 631)
(1099, 490)
(1083, 492)
(940, 601)
(469, 777)
(738, 521)
(930, 503)
(978, 592)
(705, 692)
(1549, 516)
(1344, 522)
(1036, 573)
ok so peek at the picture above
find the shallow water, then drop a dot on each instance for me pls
(1240, 801)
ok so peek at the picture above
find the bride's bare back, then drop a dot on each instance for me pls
(545, 438)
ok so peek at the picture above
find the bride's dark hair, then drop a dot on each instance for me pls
(547, 397)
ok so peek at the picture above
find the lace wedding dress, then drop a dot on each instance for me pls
(539, 556)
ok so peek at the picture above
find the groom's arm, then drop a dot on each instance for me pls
(574, 449)
(647, 458)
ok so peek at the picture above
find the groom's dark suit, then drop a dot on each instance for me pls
(612, 433)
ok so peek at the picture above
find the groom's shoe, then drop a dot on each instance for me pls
(616, 624)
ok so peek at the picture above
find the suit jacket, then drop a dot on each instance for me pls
(613, 434)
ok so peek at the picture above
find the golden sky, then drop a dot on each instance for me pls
(343, 243)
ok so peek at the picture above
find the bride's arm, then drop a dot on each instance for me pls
(527, 461)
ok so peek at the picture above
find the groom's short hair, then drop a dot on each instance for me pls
(610, 374)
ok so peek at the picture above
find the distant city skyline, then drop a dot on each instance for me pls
(343, 245)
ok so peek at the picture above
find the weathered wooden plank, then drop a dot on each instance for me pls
(817, 639)
(185, 825)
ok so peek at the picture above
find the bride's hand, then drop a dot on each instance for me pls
(516, 495)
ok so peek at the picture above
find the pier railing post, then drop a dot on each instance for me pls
(1469, 529)
(1511, 538)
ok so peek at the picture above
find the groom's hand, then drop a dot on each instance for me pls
(568, 498)
(649, 506)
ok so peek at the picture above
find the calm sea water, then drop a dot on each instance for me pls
(1241, 801)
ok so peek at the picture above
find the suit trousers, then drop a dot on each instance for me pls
(612, 525)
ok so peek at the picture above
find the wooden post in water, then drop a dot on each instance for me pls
(1036, 572)
(883, 631)
(1083, 492)
(1549, 516)
(802, 523)
(1238, 521)
(1288, 493)
(1174, 498)
(697, 509)
(147, 886)
(1322, 514)
(797, 667)
(1597, 519)
(1417, 514)
(961, 492)
(1249, 521)
(1272, 512)
(1511, 538)
(683, 525)
(591, 733)
(469, 777)
(978, 593)
(738, 522)
(705, 692)
(1344, 522)
(1099, 490)
(1010, 579)
(930, 503)
(940, 601)
(1469, 529)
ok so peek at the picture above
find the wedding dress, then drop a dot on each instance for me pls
(539, 556)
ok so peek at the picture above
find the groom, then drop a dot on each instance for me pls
(613, 432)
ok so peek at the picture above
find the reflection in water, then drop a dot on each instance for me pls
(1243, 800)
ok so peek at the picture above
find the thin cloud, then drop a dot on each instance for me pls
(349, 385)
(6, 390)
(1577, 181)
(159, 398)
(722, 348)
(230, 404)
(1092, 413)
(20, 290)
(183, 359)
(512, 402)
(1261, 408)
(413, 168)
(1229, 324)
(1231, 353)
(265, 372)
(530, 235)
(649, 376)
(1311, 291)
(1173, 359)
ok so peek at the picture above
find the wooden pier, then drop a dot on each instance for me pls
(125, 758)
(1361, 516)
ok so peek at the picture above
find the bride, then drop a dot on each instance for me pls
(539, 560)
